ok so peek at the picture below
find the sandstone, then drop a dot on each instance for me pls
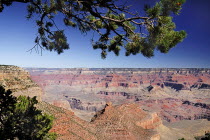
(114, 122)
(157, 90)
(173, 95)
(178, 79)
(18, 81)
(120, 122)
(156, 137)
(62, 103)
(151, 122)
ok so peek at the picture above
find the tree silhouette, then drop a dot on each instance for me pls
(114, 21)
(20, 119)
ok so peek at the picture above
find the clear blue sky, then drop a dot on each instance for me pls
(17, 35)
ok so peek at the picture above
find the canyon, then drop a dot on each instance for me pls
(122, 122)
(176, 94)
(118, 103)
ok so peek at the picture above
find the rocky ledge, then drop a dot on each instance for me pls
(18, 81)
(122, 122)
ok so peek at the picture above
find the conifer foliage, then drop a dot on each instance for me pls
(19, 118)
(115, 23)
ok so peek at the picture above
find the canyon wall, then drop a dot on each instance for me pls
(124, 122)
(177, 79)
(18, 81)
(166, 91)
(118, 103)
(127, 121)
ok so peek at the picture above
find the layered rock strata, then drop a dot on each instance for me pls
(122, 122)
(113, 122)
(18, 81)
(161, 90)
(178, 79)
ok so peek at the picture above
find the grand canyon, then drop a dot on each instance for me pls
(118, 103)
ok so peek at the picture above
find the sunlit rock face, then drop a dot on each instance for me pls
(164, 91)
(18, 81)
(118, 103)
(178, 79)
(172, 110)
(124, 122)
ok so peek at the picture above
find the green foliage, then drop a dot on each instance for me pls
(154, 11)
(20, 119)
(162, 34)
(206, 137)
(50, 136)
(115, 24)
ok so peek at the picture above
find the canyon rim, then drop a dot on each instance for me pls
(118, 103)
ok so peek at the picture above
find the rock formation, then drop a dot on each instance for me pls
(18, 81)
(172, 110)
(122, 122)
(141, 100)
(178, 79)
(158, 90)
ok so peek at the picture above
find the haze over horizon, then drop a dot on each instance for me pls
(17, 37)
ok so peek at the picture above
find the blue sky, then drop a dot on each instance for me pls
(17, 35)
